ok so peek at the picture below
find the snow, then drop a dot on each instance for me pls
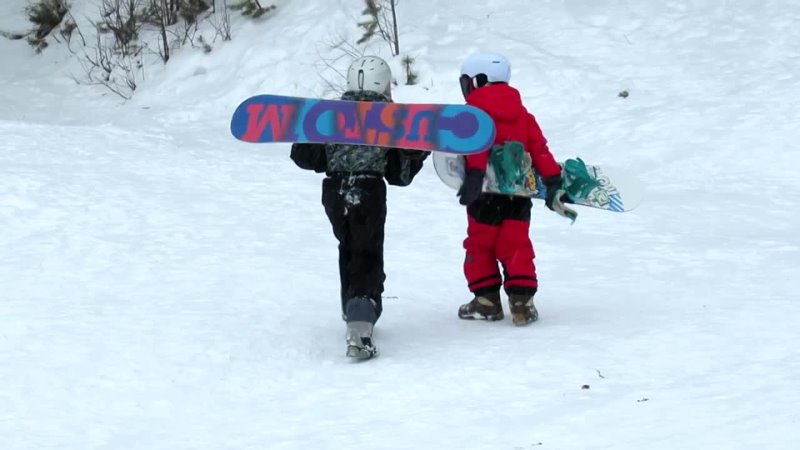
(163, 286)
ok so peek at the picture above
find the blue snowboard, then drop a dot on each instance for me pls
(458, 129)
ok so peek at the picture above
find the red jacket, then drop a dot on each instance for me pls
(513, 123)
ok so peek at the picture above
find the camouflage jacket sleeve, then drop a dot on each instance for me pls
(310, 157)
(403, 165)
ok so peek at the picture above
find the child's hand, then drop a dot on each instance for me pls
(553, 185)
(556, 197)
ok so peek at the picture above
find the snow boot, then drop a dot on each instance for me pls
(482, 307)
(361, 317)
(523, 311)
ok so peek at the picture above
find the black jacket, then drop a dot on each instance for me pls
(397, 166)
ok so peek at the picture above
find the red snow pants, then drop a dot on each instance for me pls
(498, 230)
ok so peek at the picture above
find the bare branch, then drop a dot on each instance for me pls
(222, 22)
(340, 48)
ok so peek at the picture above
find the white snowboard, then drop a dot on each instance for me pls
(612, 190)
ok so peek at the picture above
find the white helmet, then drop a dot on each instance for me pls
(494, 65)
(369, 73)
(483, 68)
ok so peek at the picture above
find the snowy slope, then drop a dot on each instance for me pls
(165, 287)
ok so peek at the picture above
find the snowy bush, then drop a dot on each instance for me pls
(45, 15)
(125, 35)
(411, 75)
(190, 10)
(132, 33)
(252, 8)
(169, 12)
(121, 19)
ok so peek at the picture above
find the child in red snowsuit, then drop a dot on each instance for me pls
(498, 224)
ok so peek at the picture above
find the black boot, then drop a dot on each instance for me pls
(482, 307)
(522, 308)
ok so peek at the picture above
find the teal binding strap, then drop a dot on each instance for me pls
(577, 182)
(510, 163)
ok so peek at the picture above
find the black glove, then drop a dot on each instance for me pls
(553, 185)
(471, 189)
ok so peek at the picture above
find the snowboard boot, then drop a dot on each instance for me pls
(482, 307)
(523, 311)
(361, 317)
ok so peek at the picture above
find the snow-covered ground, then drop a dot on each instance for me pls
(163, 286)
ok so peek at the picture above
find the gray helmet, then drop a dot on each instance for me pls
(369, 73)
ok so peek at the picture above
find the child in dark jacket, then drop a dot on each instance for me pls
(354, 197)
(498, 224)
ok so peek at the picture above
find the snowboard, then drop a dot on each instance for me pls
(586, 185)
(457, 129)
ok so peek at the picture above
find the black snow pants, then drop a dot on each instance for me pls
(356, 208)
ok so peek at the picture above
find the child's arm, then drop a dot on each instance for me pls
(478, 160)
(310, 157)
(541, 158)
(403, 165)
